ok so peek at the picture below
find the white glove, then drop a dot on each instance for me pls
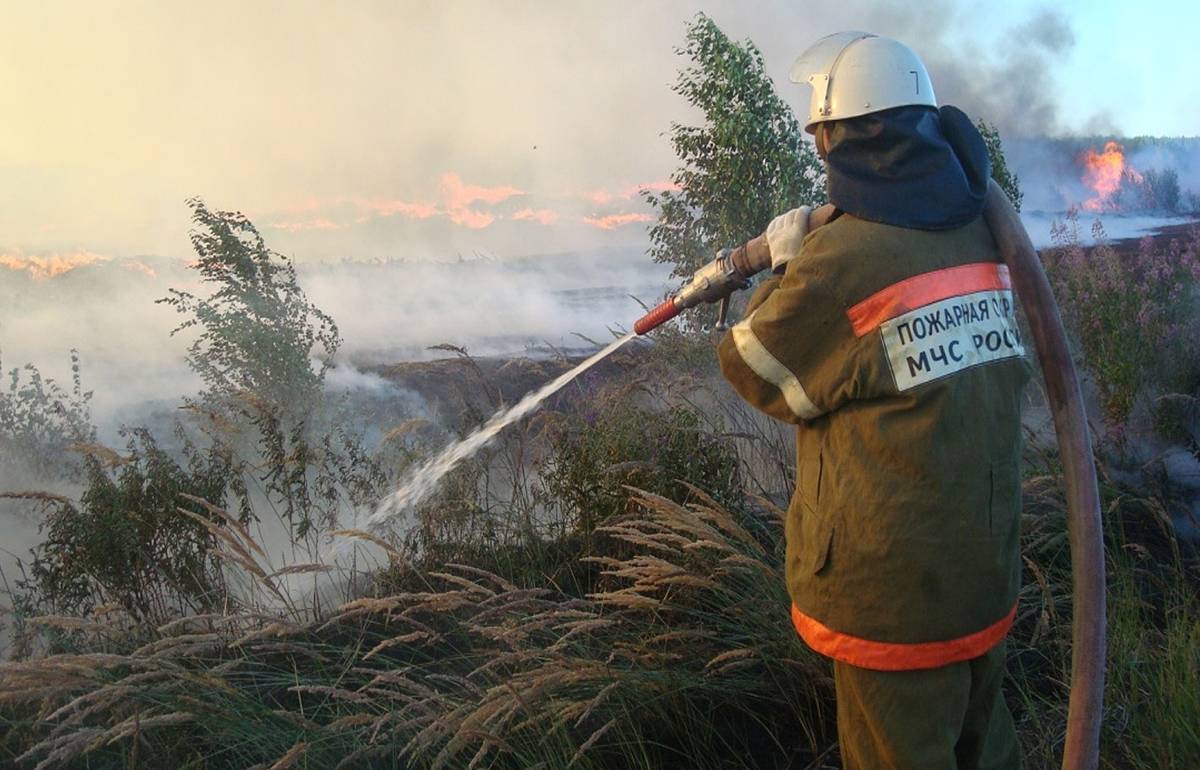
(785, 234)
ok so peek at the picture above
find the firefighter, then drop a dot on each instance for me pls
(888, 337)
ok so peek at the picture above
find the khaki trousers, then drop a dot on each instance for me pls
(948, 718)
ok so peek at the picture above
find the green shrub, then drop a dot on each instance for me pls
(603, 451)
(685, 658)
(1133, 314)
(40, 422)
(126, 543)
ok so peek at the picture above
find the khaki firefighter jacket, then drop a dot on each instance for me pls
(897, 354)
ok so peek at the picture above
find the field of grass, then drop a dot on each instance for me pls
(602, 588)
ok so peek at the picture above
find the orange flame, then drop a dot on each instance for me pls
(613, 221)
(1103, 174)
(544, 216)
(43, 267)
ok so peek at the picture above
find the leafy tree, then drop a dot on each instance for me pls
(746, 163)
(264, 401)
(258, 328)
(1008, 181)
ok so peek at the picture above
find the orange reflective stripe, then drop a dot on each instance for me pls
(920, 290)
(889, 656)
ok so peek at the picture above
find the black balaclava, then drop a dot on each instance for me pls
(917, 167)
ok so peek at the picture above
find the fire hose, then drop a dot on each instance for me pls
(732, 270)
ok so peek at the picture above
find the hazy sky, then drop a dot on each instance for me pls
(432, 129)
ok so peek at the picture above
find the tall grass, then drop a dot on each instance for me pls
(1152, 690)
(682, 655)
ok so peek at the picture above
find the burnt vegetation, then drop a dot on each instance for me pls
(602, 587)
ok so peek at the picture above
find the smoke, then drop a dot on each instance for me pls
(1048, 28)
(393, 311)
(20, 529)
(386, 312)
(1180, 155)
(1009, 83)
(419, 131)
(1012, 88)
(350, 124)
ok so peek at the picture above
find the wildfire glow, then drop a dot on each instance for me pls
(471, 218)
(457, 194)
(49, 265)
(139, 267)
(1103, 174)
(616, 220)
(462, 203)
(407, 209)
(317, 223)
(603, 197)
(544, 216)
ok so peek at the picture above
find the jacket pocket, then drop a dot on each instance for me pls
(1005, 499)
(818, 547)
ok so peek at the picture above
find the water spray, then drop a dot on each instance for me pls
(715, 282)
(424, 481)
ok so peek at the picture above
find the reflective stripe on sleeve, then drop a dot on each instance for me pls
(921, 290)
(767, 366)
(890, 656)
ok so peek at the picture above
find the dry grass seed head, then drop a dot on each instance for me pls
(138, 723)
(273, 630)
(288, 648)
(469, 585)
(627, 598)
(386, 644)
(60, 750)
(591, 741)
(359, 534)
(503, 584)
(155, 648)
(289, 759)
(67, 623)
(301, 569)
(229, 519)
(45, 497)
(107, 458)
(351, 721)
(336, 693)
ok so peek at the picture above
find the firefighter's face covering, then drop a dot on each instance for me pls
(913, 166)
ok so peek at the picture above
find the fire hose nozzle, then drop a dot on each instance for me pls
(657, 317)
(720, 278)
(714, 282)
